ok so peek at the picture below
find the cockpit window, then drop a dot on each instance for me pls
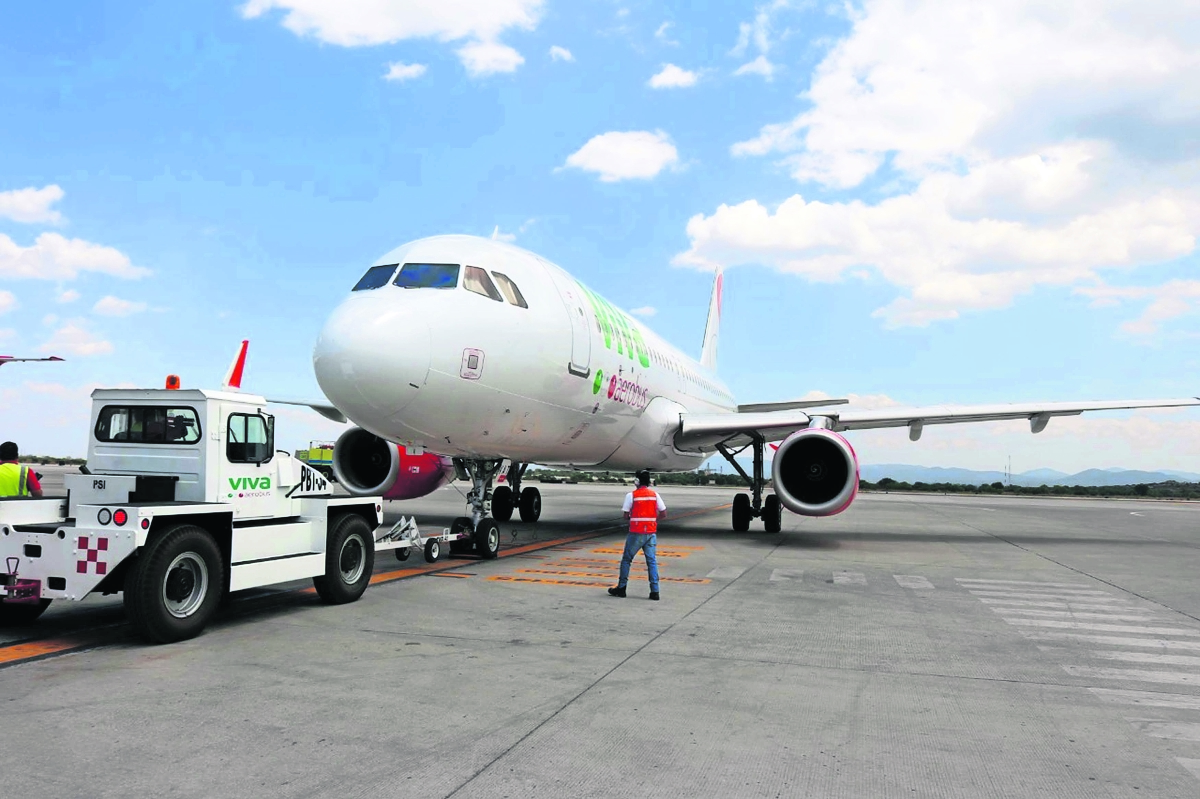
(477, 280)
(428, 276)
(510, 290)
(375, 277)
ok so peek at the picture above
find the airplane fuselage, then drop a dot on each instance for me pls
(450, 361)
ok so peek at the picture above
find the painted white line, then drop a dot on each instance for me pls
(1029, 603)
(849, 578)
(1040, 596)
(1137, 675)
(1112, 640)
(1191, 764)
(1150, 657)
(1175, 730)
(915, 581)
(726, 573)
(1119, 696)
(1036, 592)
(1100, 628)
(1021, 582)
(786, 574)
(1134, 513)
(1070, 614)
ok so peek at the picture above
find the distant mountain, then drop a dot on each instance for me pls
(1035, 477)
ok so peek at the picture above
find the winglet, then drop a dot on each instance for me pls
(233, 378)
(712, 328)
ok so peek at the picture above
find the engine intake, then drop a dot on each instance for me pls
(815, 472)
(364, 463)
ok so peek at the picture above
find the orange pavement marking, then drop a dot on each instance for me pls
(16, 653)
(695, 580)
(661, 553)
(508, 578)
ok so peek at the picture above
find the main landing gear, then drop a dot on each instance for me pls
(745, 508)
(505, 498)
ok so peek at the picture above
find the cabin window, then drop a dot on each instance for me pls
(147, 424)
(509, 290)
(477, 280)
(251, 438)
(375, 277)
(428, 276)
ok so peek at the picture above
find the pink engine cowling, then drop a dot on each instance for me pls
(815, 472)
(365, 464)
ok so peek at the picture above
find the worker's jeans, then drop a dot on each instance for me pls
(646, 543)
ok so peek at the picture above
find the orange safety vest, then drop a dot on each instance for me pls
(643, 517)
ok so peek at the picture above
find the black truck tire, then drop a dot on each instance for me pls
(175, 586)
(349, 560)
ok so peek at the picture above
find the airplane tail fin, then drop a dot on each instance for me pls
(712, 329)
(233, 378)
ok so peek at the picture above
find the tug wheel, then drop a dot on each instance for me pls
(175, 585)
(349, 560)
(487, 538)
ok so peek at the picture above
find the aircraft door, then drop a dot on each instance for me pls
(581, 321)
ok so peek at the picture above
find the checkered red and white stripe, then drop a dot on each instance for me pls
(92, 555)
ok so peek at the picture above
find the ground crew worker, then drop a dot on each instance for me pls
(16, 480)
(643, 508)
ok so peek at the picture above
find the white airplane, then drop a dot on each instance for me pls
(10, 359)
(484, 352)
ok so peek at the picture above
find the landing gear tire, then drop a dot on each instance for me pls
(487, 538)
(461, 546)
(742, 513)
(175, 586)
(349, 560)
(433, 550)
(403, 552)
(531, 505)
(772, 514)
(13, 614)
(502, 503)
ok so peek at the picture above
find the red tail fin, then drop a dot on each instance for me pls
(233, 378)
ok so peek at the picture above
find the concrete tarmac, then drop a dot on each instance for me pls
(912, 646)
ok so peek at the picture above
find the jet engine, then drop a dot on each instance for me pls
(815, 472)
(366, 464)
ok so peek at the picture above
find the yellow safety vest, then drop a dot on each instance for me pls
(14, 480)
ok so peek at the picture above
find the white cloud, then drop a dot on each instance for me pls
(8, 301)
(646, 311)
(673, 77)
(627, 155)
(73, 338)
(399, 71)
(662, 36)
(67, 296)
(498, 236)
(114, 306)
(759, 66)
(361, 23)
(1166, 302)
(50, 320)
(55, 257)
(486, 58)
(7, 335)
(31, 205)
(1023, 144)
(560, 54)
(758, 34)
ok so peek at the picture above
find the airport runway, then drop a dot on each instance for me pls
(914, 646)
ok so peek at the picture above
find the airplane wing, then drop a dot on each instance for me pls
(9, 359)
(324, 408)
(705, 430)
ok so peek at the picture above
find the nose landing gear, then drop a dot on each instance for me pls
(487, 506)
(746, 508)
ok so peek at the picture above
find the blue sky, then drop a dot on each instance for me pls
(917, 202)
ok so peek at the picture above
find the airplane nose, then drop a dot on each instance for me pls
(372, 357)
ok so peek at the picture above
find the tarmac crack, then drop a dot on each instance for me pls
(606, 675)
